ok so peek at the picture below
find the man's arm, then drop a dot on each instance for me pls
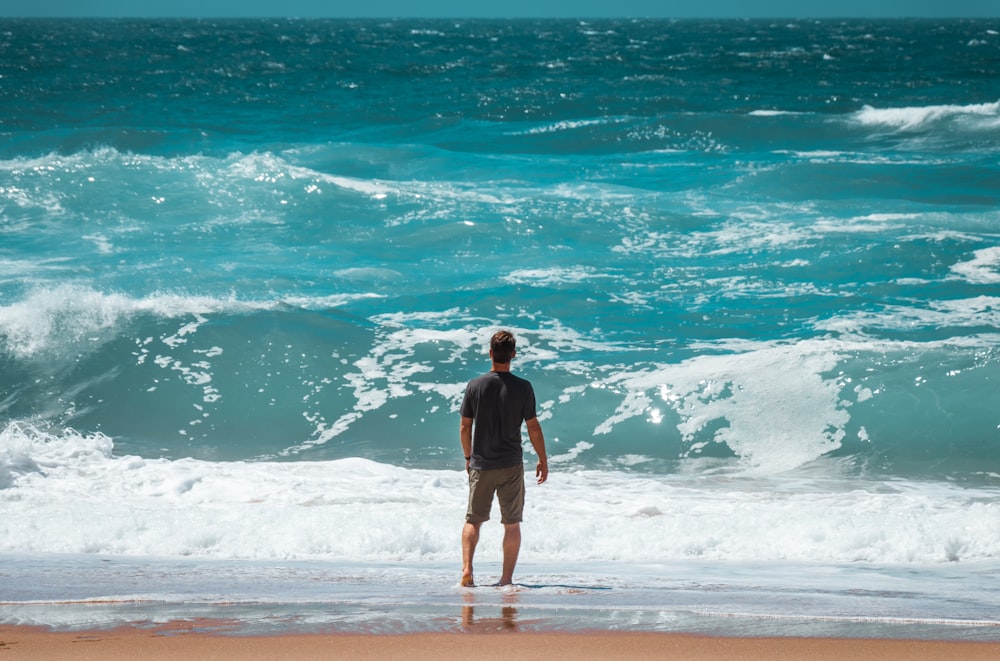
(465, 435)
(538, 442)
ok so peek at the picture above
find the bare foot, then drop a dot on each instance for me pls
(467, 581)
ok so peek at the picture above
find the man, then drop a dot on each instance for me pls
(493, 409)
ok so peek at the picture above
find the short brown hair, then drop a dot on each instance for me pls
(502, 346)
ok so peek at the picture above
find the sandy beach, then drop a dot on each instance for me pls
(180, 640)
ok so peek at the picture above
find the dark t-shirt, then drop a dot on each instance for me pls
(498, 402)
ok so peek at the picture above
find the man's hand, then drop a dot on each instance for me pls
(538, 443)
(542, 471)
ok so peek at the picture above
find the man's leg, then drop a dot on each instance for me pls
(511, 548)
(470, 537)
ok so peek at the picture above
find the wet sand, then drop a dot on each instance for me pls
(185, 640)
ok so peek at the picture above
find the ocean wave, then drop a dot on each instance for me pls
(66, 316)
(567, 125)
(298, 381)
(82, 499)
(220, 180)
(805, 421)
(981, 116)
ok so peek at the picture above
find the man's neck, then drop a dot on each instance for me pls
(501, 367)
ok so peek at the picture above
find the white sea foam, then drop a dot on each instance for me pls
(774, 113)
(68, 314)
(553, 275)
(867, 224)
(566, 126)
(392, 370)
(805, 419)
(982, 269)
(987, 114)
(268, 167)
(68, 493)
(49, 202)
(864, 158)
(977, 312)
(368, 274)
(751, 229)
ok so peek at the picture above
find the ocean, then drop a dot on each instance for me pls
(248, 266)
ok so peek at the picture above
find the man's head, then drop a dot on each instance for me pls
(502, 347)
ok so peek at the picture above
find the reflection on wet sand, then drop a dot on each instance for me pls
(506, 622)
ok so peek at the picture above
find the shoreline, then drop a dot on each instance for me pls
(192, 639)
(265, 599)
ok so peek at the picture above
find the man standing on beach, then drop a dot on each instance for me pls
(493, 409)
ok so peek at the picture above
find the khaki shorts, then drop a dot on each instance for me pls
(506, 483)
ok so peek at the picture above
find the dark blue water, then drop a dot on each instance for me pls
(247, 267)
(298, 234)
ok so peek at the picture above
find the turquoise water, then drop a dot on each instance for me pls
(247, 267)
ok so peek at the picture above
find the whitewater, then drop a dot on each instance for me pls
(248, 267)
